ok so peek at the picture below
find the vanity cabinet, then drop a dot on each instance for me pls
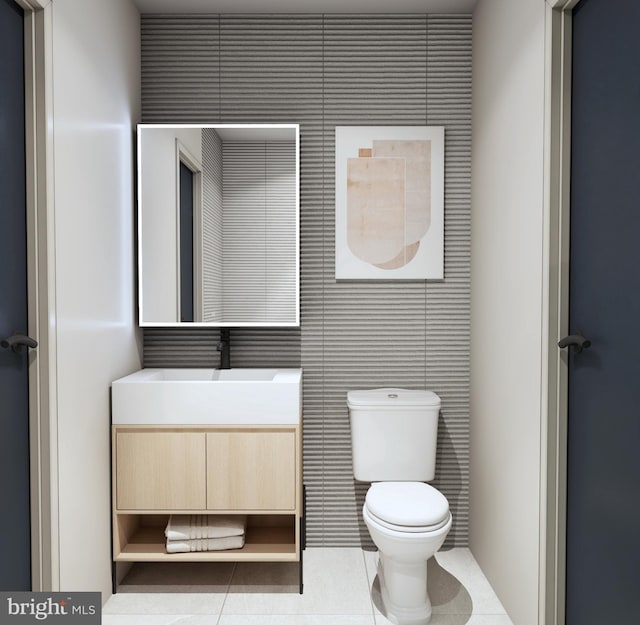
(251, 470)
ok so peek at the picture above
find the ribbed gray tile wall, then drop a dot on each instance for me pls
(259, 228)
(322, 71)
(212, 269)
(281, 231)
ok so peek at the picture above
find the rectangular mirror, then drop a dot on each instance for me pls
(218, 224)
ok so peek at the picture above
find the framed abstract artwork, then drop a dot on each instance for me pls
(389, 202)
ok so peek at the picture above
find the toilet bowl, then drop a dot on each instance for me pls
(394, 434)
(408, 522)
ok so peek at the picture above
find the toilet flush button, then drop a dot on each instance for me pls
(392, 395)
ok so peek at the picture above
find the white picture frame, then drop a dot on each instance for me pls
(389, 203)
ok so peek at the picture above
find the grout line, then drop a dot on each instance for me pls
(226, 594)
(369, 586)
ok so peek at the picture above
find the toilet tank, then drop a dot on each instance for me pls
(394, 432)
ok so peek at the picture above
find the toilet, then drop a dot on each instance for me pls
(394, 433)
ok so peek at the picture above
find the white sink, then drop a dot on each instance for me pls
(208, 396)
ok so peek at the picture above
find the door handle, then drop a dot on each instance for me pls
(17, 341)
(577, 342)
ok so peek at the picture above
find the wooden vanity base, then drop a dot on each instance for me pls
(250, 470)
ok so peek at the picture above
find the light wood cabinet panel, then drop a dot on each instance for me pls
(251, 470)
(160, 470)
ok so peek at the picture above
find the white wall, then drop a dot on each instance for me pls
(507, 257)
(159, 218)
(96, 82)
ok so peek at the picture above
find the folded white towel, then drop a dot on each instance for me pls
(205, 544)
(190, 526)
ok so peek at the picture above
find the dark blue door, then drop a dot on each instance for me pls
(186, 243)
(603, 516)
(15, 531)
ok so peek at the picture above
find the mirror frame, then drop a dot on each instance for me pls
(139, 225)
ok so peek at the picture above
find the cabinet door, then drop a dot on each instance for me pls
(160, 470)
(251, 470)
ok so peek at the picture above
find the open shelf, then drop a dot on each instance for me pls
(263, 543)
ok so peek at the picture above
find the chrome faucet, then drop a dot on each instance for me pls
(224, 347)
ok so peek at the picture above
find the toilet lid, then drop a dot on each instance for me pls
(407, 504)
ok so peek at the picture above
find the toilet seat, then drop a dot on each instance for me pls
(407, 506)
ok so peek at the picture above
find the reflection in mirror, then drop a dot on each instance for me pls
(218, 224)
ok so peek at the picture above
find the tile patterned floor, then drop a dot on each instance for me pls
(340, 588)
